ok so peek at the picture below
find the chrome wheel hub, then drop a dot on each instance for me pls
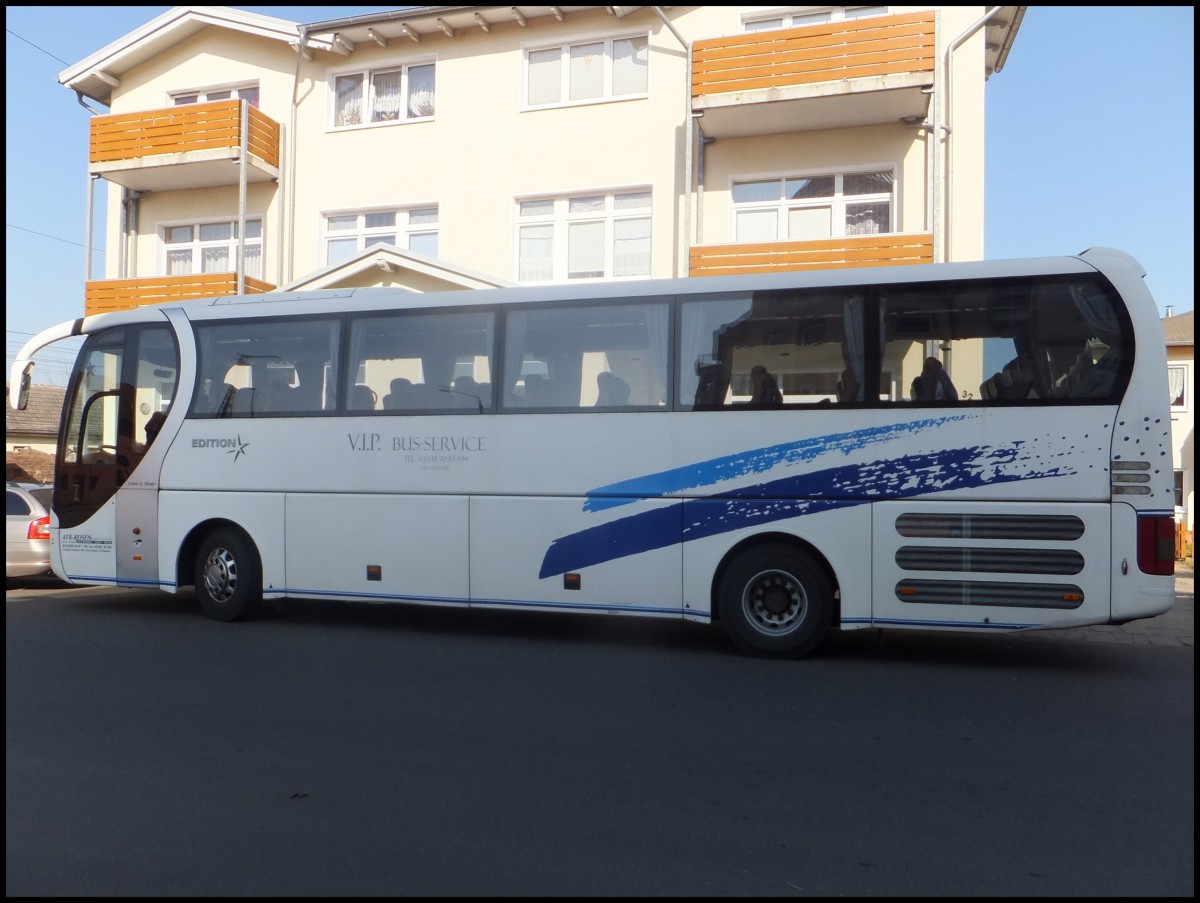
(220, 575)
(774, 602)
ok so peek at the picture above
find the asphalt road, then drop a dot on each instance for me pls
(360, 750)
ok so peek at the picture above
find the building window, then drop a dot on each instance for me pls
(212, 248)
(395, 94)
(802, 208)
(587, 236)
(1179, 489)
(1177, 379)
(586, 72)
(415, 229)
(796, 20)
(248, 93)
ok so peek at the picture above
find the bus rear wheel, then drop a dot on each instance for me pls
(775, 601)
(228, 576)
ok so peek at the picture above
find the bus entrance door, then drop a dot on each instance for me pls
(114, 436)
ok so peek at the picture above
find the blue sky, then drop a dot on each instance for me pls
(1090, 141)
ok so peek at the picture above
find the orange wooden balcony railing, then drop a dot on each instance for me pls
(823, 254)
(832, 51)
(103, 295)
(178, 130)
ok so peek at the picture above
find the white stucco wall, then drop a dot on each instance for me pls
(483, 150)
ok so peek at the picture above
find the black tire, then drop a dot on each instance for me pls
(775, 601)
(228, 576)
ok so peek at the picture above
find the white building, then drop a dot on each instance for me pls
(473, 146)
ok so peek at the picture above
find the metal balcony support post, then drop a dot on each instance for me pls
(288, 163)
(244, 150)
(87, 227)
(689, 140)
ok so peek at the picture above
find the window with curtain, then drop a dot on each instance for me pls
(211, 247)
(805, 208)
(385, 95)
(586, 236)
(394, 94)
(1177, 380)
(409, 228)
(248, 93)
(587, 71)
(419, 91)
(795, 20)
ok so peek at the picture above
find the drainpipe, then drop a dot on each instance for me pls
(135, 225)
(289, 200)
(932, 217)
(705, 141)
(123, 258)
(688, 141)
(947, 114)
(280, 217)
(130, 221)
(130, 209)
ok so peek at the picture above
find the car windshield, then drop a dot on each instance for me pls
(43, 496)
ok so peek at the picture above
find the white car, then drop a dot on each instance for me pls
(26, 529)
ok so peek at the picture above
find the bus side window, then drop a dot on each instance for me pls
(587, 358)
(285, 373)
(770, 349)
(413, 361)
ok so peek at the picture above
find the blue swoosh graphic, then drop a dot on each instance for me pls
(759, 460)
(794, 496)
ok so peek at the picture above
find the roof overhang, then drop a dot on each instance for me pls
(999, 33)
(1180, 330)
(413, 23)
(97, 75)
(384, 264)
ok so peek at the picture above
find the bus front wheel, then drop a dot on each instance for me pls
(228, 576)
(775, 601)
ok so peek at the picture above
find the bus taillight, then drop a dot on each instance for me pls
(1156, 544)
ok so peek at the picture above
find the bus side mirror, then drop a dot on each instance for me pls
(18, 389)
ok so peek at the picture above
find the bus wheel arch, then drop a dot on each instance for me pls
(223, 563)
(775, 595)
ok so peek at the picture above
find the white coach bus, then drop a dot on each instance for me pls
(969, 446)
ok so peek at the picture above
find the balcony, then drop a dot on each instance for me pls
(193, 146)
(823, 254)
(834, 75)
(104, 295)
